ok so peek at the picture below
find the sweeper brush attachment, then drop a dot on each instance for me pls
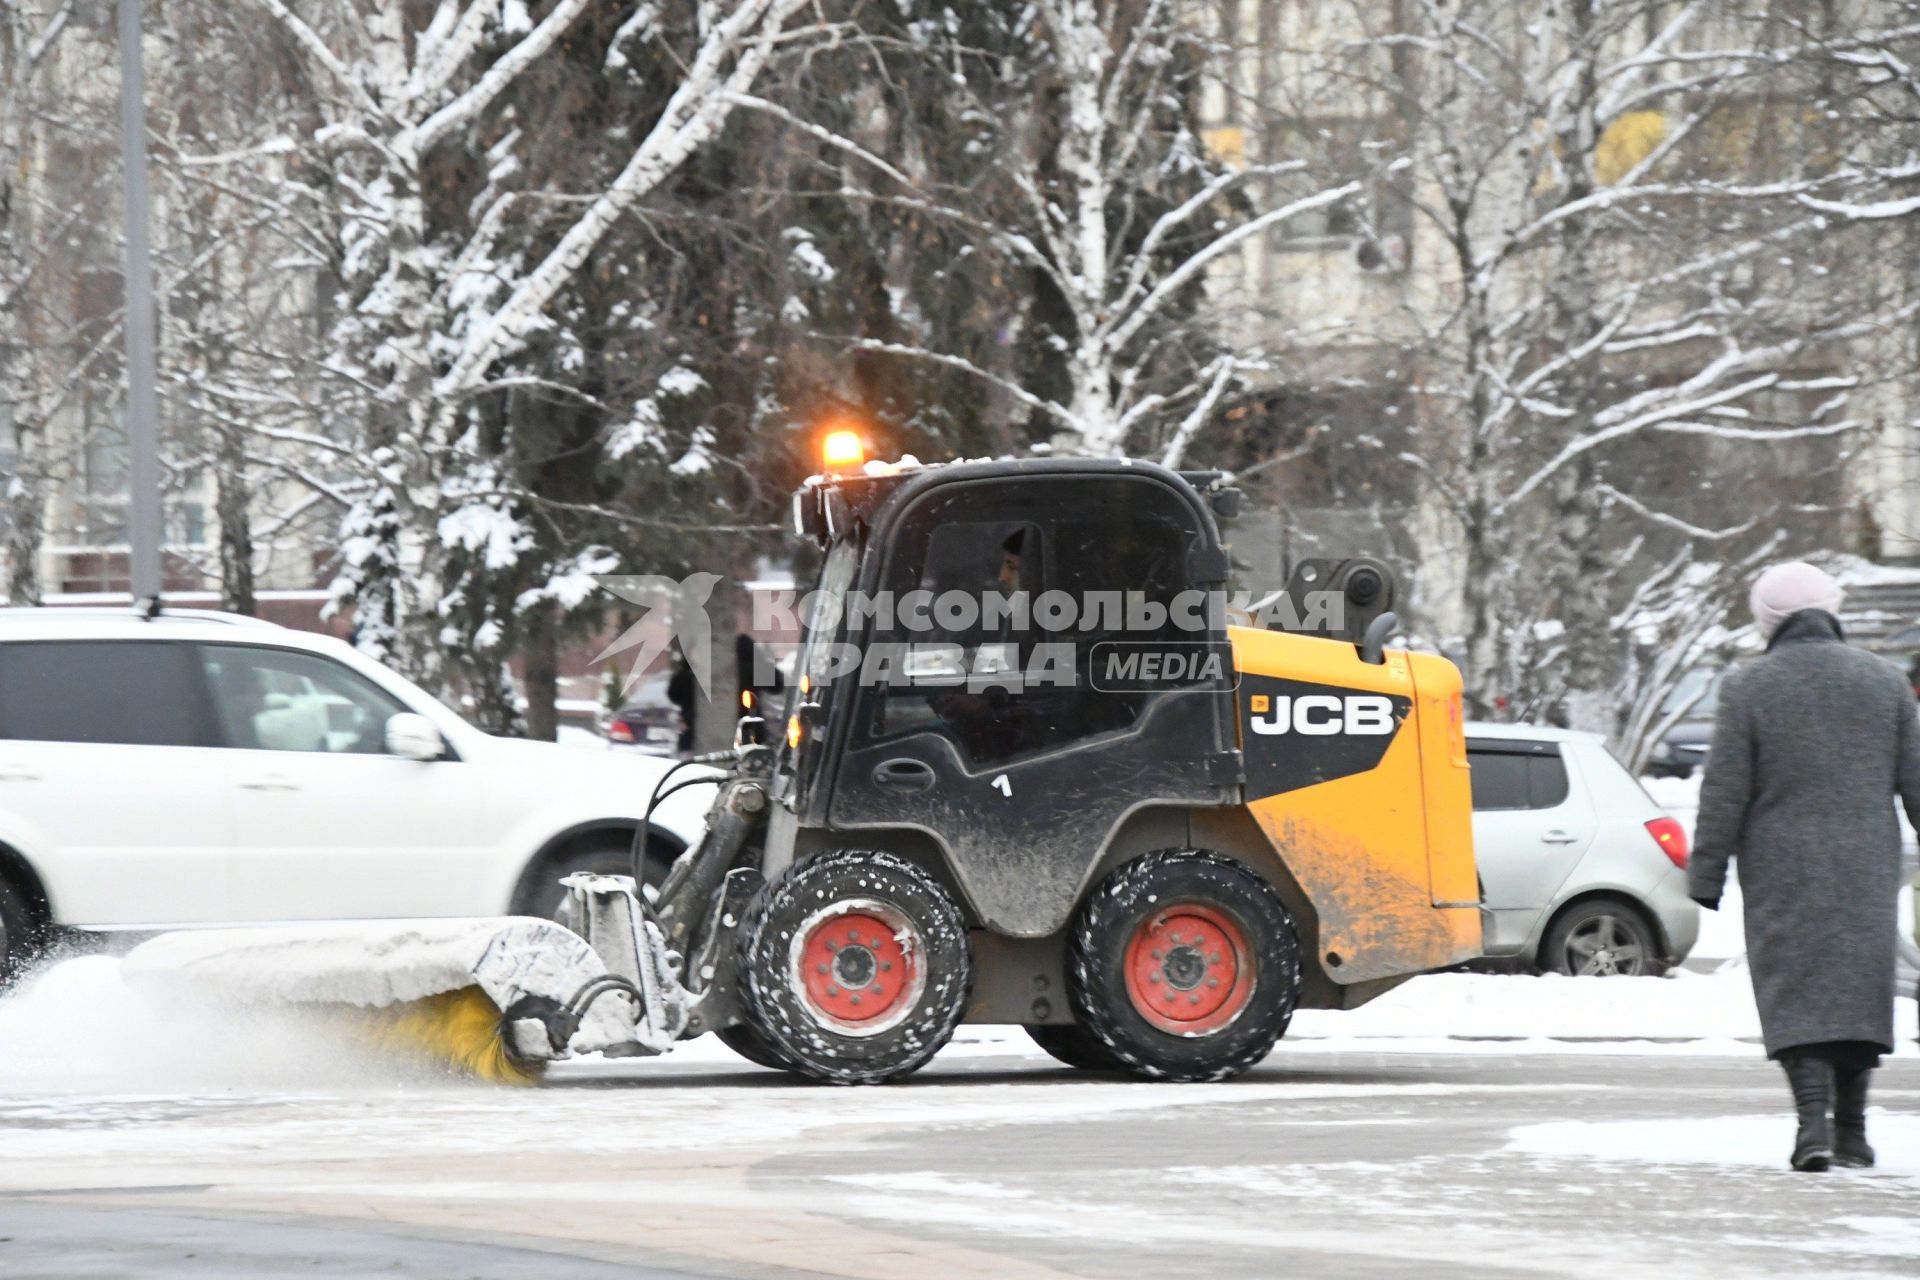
(459, 1031)
(492, 999)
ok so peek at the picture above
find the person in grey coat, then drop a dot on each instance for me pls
(1812, 743)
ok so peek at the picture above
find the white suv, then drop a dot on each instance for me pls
(202, 768)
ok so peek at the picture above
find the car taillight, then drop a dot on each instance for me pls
(620, 731)
(1672, 839)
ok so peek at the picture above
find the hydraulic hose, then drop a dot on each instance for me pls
(643, 838)
(578, 1003)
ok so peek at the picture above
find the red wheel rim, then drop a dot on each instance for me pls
(857, 967)
(1189, 969)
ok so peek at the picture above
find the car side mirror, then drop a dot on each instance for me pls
(414, 737)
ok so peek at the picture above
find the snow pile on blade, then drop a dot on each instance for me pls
(373, 963)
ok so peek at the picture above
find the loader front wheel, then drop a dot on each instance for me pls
(1185, 966)
(751, 1045)
(857, 967)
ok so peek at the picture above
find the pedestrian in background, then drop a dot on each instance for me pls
(1812, 742)
(684, 694)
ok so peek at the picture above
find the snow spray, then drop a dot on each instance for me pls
(76, 1026)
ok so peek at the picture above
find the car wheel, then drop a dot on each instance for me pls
(1073, 1045)
(1185, 966)
(856, 967)
(540, 893)
(1601, 939)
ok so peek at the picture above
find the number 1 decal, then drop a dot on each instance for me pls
(1005, 788)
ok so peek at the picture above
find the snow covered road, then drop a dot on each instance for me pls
(1354, 1151)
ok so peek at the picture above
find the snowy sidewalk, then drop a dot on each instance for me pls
(1684, 1012)
(1355, 1165)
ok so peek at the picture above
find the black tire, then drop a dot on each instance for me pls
(1073, 1045)
(19, 939)
(751, 1045)
(1603, 937)
(824, 937)
(540, 893)
(1242, 936)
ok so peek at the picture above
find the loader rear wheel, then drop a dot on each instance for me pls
(1184, 966)
(1075, 1046)
(857, 967)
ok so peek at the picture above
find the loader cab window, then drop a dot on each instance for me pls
(980, 577)
(813, 668)
(960, 657)
(1020, 581)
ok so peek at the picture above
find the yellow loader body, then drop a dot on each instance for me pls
(1357, 775)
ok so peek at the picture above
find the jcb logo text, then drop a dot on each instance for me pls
(1323, 714)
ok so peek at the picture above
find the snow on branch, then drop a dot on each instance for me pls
(812, 130)
(1878, 211)
(1183, 275)
(498, 76)
(316, 48)
(1673, 522)
(1641, 422)
(698, 108)
(445, 47)
(966, 366)
(1224, 369)
(43, 42)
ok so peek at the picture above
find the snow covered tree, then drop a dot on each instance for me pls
(235, 325)
(1861, 75)
(245, 424)
(28, 34)
(452, 268)
(1614, 321)
(515, 293)
(1073, 164)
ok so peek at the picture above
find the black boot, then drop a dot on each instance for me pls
(1812, 1082)
(1850, 1149)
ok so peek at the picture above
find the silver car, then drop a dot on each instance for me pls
(1906, 961)
(1580, 870)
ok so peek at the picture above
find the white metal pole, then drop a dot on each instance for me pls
(143, 444)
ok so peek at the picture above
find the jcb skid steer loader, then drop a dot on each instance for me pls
(1145, 834)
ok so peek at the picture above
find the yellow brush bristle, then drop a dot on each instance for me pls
(457, 1030)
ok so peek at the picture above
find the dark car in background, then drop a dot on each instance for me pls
(652, 722)
(651, 727)
(1684, 746)
(647, 721)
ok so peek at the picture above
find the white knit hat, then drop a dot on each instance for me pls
(1786, 589)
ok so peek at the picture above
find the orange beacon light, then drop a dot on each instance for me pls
(842, 449)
